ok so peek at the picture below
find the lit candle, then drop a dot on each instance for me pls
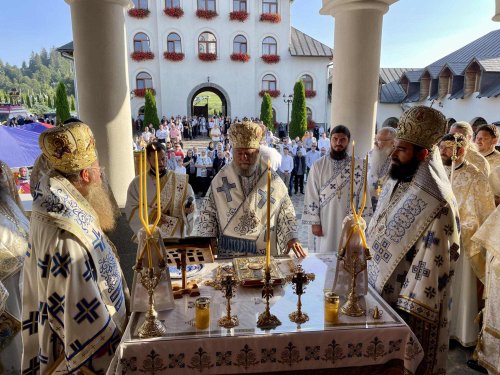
(353, 157)
(268, 243)
(144, 181)
(365, 182)
(331, 302)
(158, 200)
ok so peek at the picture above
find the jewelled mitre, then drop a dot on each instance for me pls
(69, 148)
(422, 126)
(245, 134)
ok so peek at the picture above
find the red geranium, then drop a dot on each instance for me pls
(207, 14)
(271, 59)
(272, 93)
(138, 12)
(311, 124)
(207, 56)
(310, 93)
(239, 15)
(140, 56)
(142, 92)
(173, 56)
(243, 57)
(174, 12)
(270, 17)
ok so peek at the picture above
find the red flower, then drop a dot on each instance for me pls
(270, 17)
(142, 92)
(239, 15)
(272, 93)
(243, 57)
(310, 93)
(271, 59)
(207, 14)
(174, 12)
(311, 124)
(140, 56)
(138, 12)
(207, 56)
(173, 56)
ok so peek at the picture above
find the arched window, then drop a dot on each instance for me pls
(309, 114)
(239, 5)
(172, 3)
(206, 5)
(240, 44)
(143, 80)
(174, 43)
(269, 82)
(269, 46)
(269, 6)
(207, 43)
(141, 43)
(308, 82)
(140, 4)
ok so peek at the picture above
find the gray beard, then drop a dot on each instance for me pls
(378, 158)
(248, 172)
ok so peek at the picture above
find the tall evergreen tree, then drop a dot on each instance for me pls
(73, 107)
(61, 104)
(298, 122)
(28, 102)
(266, 111)
(49, 101)
(150, 111)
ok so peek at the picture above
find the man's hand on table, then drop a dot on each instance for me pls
(295, 245)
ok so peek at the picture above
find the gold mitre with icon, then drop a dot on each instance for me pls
(422, 126)
(69, 148)
(245, 134)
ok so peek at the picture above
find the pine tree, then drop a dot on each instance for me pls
(73, 108)
(150, 111)
(266, 111)
(298, 122)
(61, 104)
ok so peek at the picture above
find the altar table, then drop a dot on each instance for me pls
(351, 342)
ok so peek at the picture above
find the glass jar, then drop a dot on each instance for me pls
(202, 313)
(331, 301)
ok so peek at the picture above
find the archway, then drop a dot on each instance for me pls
(477, 122)
(208, 94)
(391, 122)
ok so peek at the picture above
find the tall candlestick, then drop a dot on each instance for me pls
(353, 161)
(145, 189)
(158, 192)
(268, 243)
(365, 183)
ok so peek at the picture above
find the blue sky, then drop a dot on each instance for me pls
(415, 32)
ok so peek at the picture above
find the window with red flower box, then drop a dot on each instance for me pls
(270, 17)
(310, 93)
(140, 56)
(142, 92)
(243, 57)
(174, 12)
(173, 56)
(138, 13)
(207, 56)
(206, 14)
(272, 93)
(240, 15)
(271, 59)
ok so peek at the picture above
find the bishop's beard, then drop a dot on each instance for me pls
(99, 197)
(338, 155)
(404, 172)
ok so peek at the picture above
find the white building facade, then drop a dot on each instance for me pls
(238, 84)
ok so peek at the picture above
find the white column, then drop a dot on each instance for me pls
(356, 65)
(496, 17)
(100, 52)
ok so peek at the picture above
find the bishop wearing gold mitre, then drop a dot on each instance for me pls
(234, 209)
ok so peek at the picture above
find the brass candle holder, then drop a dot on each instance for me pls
(228, 284)
(299, 279)
(267, 320)
(354, 265)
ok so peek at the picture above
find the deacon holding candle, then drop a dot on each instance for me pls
(328, 193)
(246, 201)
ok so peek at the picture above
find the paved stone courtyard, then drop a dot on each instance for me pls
(457, 356)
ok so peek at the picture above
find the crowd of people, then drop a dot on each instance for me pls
(430, 212)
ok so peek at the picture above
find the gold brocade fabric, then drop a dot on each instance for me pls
(475, 203)
(474, 157)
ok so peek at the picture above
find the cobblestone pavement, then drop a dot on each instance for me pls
(457, 356)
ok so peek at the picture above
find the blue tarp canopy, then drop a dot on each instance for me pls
(37, 127)
(18, 148)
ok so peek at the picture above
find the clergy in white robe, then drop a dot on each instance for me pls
(327, 198)
(74, 294)
(14, 228)
(473, 155)
(234, 209)
(475, 201)
(176, 196)
(414, 235)
(379, 161)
